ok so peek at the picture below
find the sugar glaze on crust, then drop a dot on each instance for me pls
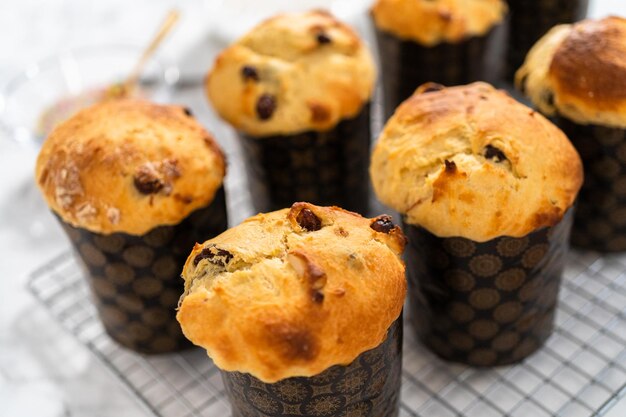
(129, 166)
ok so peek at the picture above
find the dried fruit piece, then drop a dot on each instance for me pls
(216, 256)
(308, 220)
(323, 38)
(450, 166)
(317, 296)
(491, 152)
(248, 72)
(383, 224)
(265, 106)
(147, 179)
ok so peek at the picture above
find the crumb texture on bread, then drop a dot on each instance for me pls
(579, 71)
(290, 74)
(294, 292)
(471, 162)
(430, 22)
(129, 166)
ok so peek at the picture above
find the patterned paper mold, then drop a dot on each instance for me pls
(600, 220)
(531, 19)
(369, 386)
(489, 303)
(135, 280)
(406, 65)
(324, 168)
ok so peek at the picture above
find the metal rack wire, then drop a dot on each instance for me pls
(581, 372)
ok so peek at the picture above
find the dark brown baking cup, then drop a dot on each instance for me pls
(325, 168)
(531, 19)
(406, 65)
(600, 221)
(135, 280)
(489, 303)
(368, 387)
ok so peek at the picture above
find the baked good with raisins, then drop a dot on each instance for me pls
(486, 187)
(308, 270)
(129, 166)
(134, 185)
(295, 305)
(576, 74)
(297, 89)
(471, 161)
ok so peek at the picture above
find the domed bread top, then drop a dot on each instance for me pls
(579, 71)
(430, 22)
(295, 291)
(471, 162)
(290, 74)
(128, 166)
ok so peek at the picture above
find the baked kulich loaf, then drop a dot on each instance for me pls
(450, 42)
(579, 71)
(135, 185)
(470, 161)
(290, 74)
(486, 187)
(530, 20)
(129, 166)
(576, 74)
(429, 22)
(294, 292)
(297, 89)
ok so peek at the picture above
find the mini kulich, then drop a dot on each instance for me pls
(294, 304)
(486, 188)
(135, 185)
(450, 42)
(576, 74)
(297, 88)
(531, 19)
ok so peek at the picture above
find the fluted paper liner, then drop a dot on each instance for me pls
(489, 303)
(406, 65)
(531, 19)
(324, 168)
(368, 387)
(135, 280)
(600, 220)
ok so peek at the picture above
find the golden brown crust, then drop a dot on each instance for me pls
(470, 161)
(430, 22)
(292, 73)
(128, 166)
(579, 71)
(275, 299)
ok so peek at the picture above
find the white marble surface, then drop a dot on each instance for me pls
(44, 371)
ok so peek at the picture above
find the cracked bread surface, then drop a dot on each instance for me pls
(579, 71)
(129, 166)
(431, 22)
(295, 291)
(292, 73)
(472, 162)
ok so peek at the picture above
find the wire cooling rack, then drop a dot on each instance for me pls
(581, 371)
